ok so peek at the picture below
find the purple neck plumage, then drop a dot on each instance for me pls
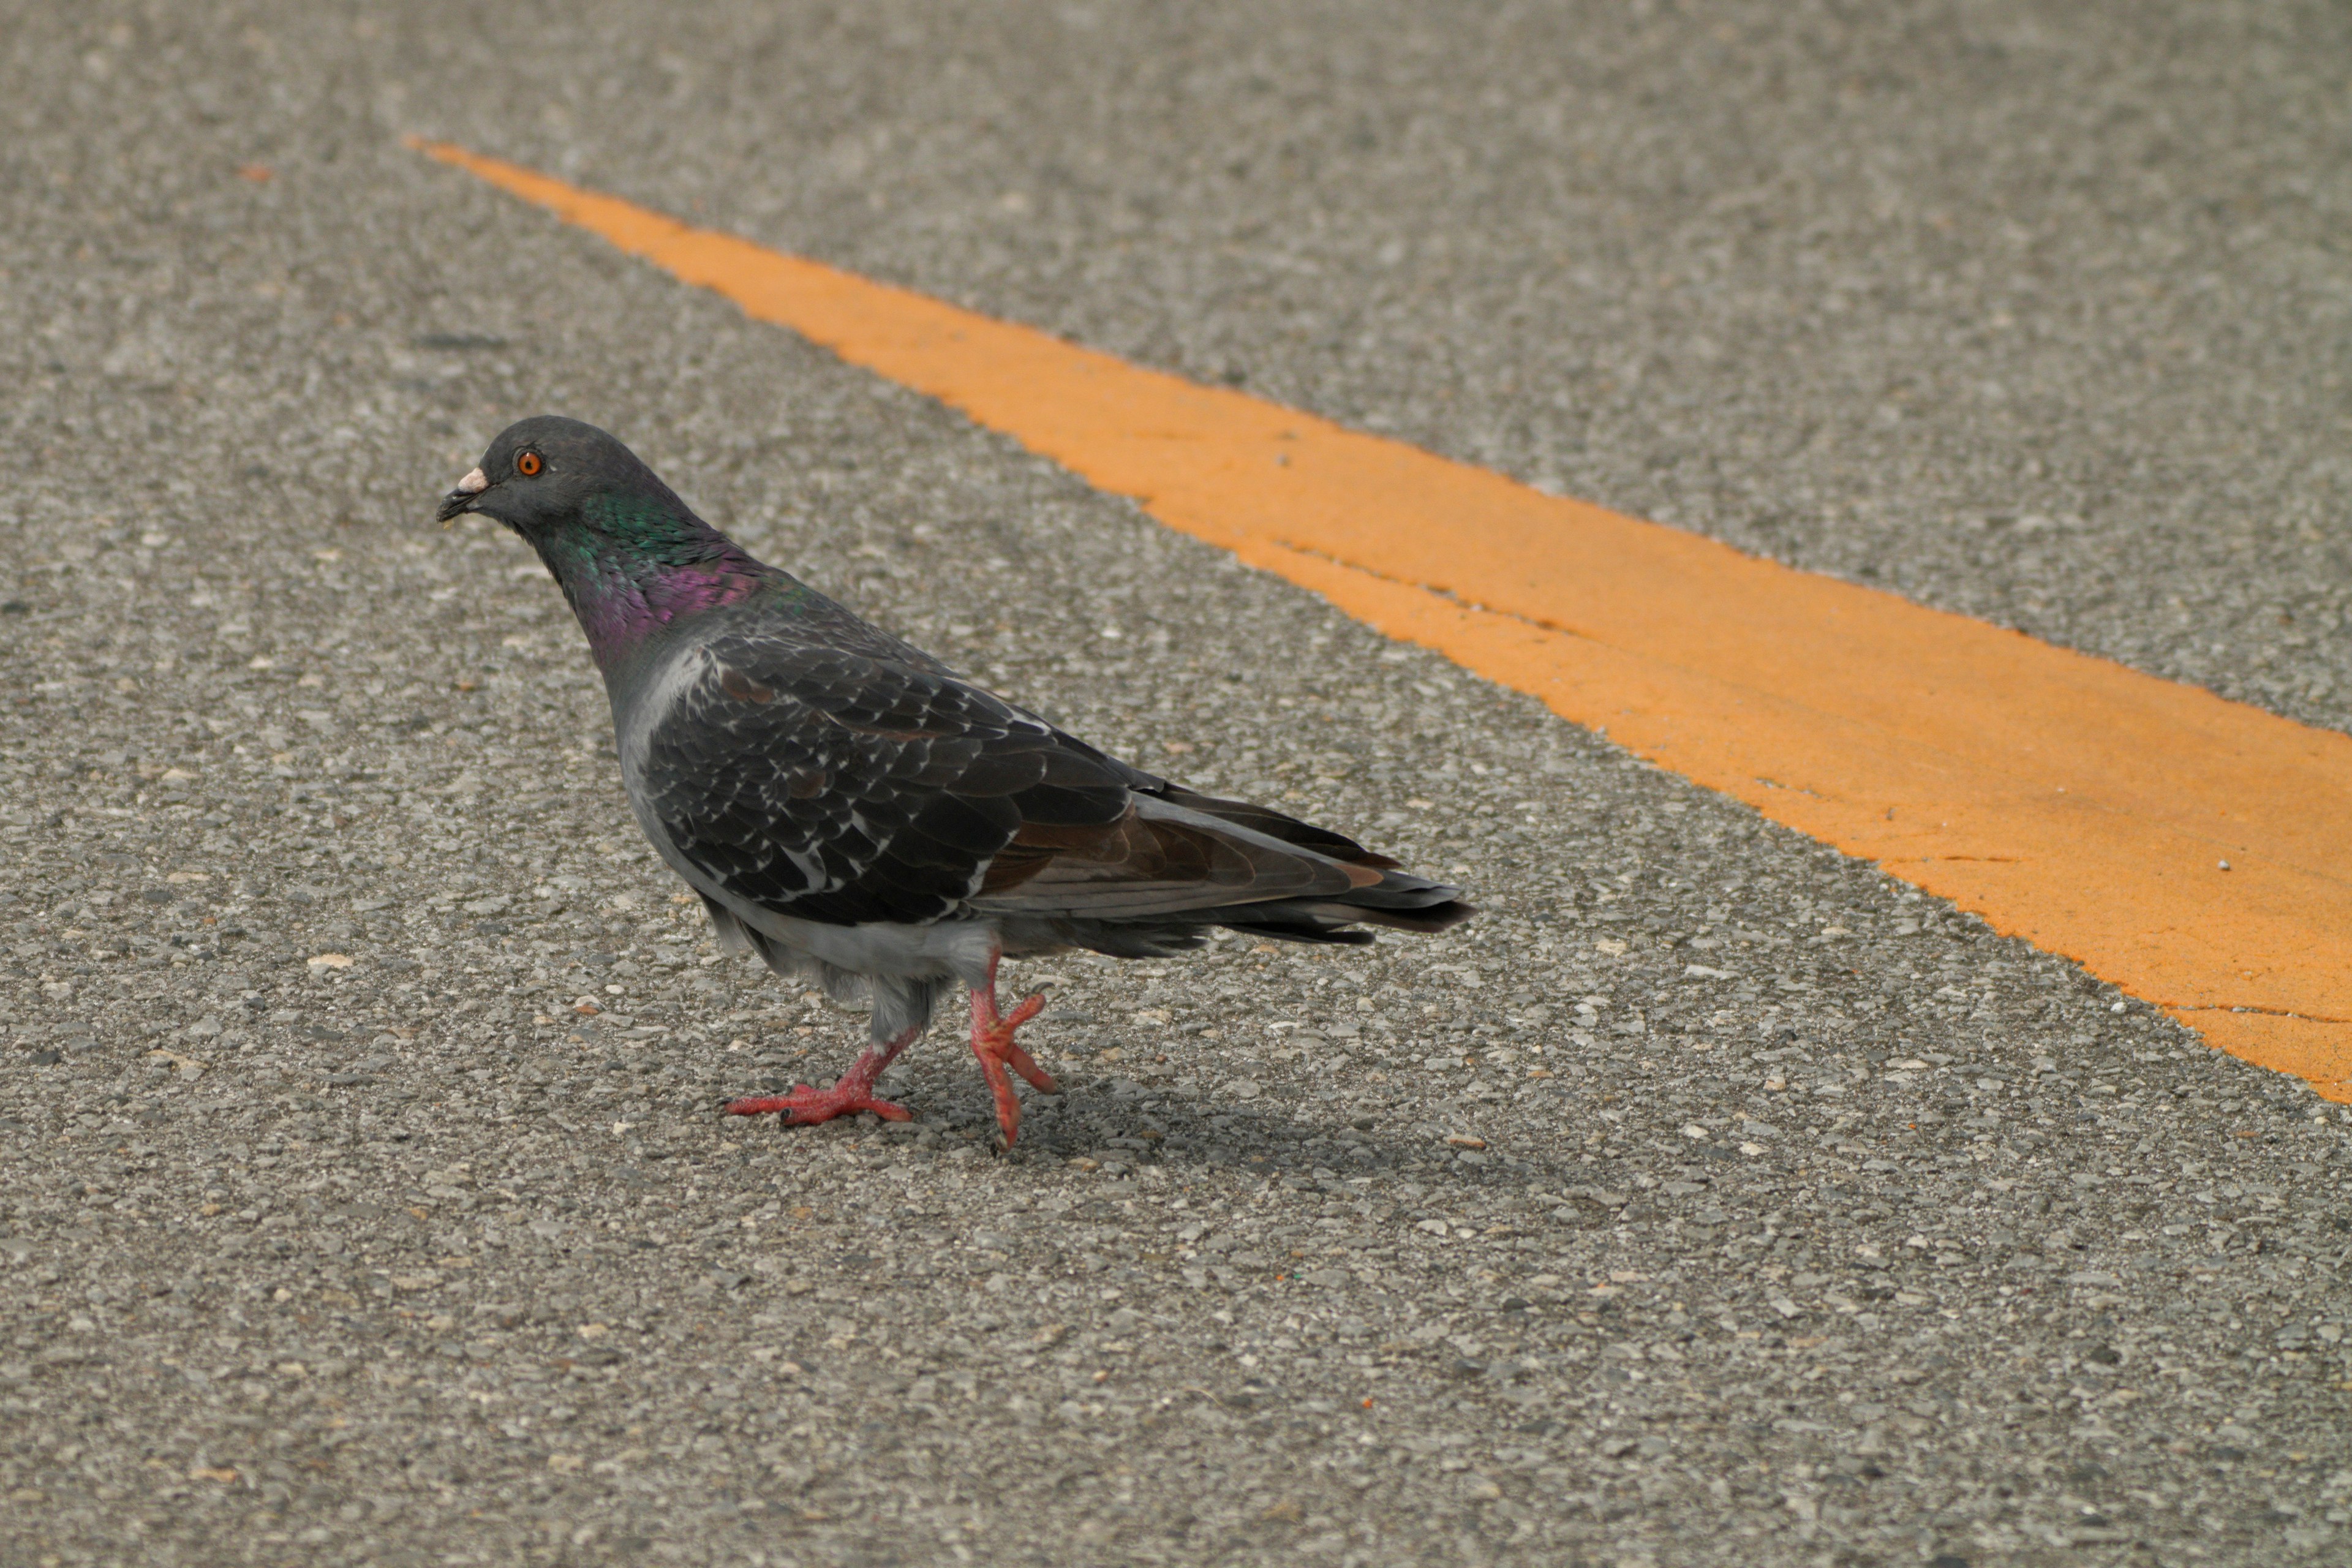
(620, 610)
(639, 569)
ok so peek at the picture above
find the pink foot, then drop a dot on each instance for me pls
(853, 1094)
(805, 1105)
(993, 1042)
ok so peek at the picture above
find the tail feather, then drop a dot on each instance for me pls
(1399, 900)
(1435, 909)
(1275, 826)
(1426, 919)
(1179, 862)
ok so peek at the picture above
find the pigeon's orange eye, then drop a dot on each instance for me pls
(527, 464)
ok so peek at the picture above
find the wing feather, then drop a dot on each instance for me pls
(846, 785)
(841, 787)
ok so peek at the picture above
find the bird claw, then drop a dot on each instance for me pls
(993, 1042)
(851, 1093)
(805, 1106)
(1014, 1056)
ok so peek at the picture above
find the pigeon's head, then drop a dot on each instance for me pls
(542, 475)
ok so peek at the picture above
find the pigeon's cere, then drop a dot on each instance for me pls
(863, 818)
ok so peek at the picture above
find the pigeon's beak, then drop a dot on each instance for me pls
(461, 501)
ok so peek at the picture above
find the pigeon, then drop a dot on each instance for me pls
(865, 819)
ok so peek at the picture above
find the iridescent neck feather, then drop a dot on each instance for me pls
(633, 566)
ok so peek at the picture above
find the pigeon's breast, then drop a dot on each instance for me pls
(642, 699)
(643, 696)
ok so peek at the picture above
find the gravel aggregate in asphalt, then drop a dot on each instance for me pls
(1710, 1198)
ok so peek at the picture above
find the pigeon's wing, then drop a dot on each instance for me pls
(833, 785)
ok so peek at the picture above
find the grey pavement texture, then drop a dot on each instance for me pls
(1711, 1199)
(2033, 312)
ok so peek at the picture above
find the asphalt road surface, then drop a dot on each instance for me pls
(1711, 1199)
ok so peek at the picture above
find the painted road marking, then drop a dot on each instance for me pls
(2082, 806)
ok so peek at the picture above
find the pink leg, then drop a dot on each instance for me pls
(852, 1093)
(993, 1042)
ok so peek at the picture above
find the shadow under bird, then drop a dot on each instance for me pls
(865, 819)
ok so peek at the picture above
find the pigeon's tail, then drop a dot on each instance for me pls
(1399, 900)
(1179, 863)
(1402, 901)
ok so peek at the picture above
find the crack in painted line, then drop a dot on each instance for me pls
(2263, 1012)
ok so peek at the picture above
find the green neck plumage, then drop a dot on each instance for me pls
(632, 565)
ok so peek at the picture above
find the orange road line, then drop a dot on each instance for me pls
(2079, 805)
